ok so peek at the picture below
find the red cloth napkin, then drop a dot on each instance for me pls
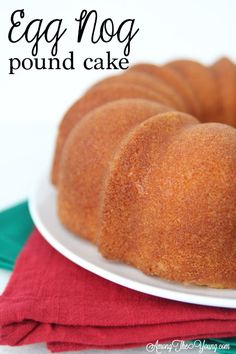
(50, 299)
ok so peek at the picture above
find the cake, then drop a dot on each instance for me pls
(145, 169)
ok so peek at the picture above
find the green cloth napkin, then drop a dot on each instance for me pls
(214, 344)
(218, 341)
(15, 227)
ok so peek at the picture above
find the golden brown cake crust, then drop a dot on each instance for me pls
(151, 186)
(141, 79)
(174, 80)
(202, 82)
(170, 201)
(85, 158)
(94, 98)
(225, 74)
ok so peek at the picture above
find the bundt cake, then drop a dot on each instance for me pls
(145, 168)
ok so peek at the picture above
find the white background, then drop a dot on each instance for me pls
(33, 102)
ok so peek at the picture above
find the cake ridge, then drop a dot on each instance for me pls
(149, 180)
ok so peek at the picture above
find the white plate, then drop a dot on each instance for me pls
(43, 210)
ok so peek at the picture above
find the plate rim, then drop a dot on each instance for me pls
(187, 297)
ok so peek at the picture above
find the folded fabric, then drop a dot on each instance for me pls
(15, 227)
(50, 299)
